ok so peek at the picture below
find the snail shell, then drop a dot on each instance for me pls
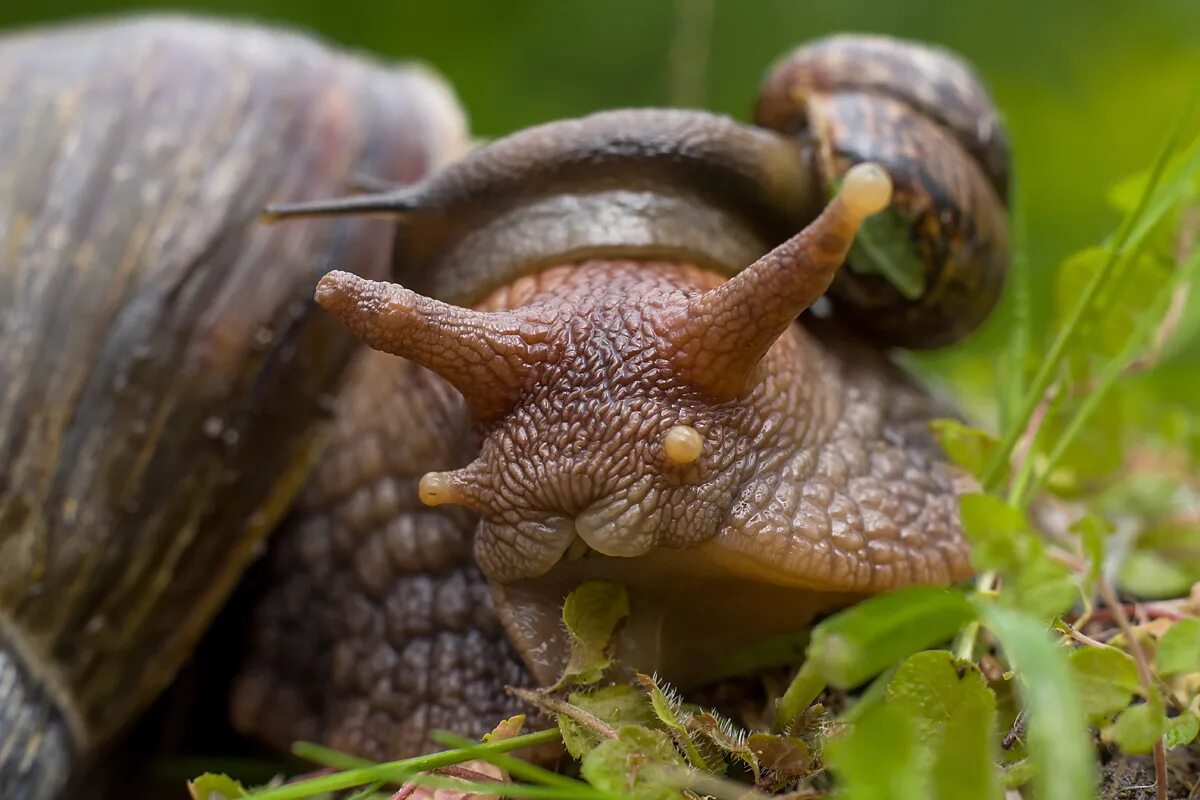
(163, 369)
(924, 115)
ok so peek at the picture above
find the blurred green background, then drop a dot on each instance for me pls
(1089, 87)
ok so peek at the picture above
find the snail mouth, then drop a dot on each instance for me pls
(619, 531)
(688, 612)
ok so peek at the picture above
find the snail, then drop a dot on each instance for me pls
(601, 376)
(163, 372)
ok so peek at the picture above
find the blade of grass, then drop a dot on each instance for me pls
(514, 765)
(1112, 371)
(1060, 748)
(505, 789)
(1022, 309)
(1137, 219)
(396, 771)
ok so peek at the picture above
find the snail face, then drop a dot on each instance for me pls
(607, 451)
(622, 403)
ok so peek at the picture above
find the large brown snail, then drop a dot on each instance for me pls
(603, 366)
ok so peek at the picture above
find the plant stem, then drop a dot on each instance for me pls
(396, 771)
(1144, 675)
(801, 692)
(1049, 368)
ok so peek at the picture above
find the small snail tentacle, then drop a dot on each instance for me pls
(487, 356)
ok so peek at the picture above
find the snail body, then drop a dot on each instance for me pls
(601, 376)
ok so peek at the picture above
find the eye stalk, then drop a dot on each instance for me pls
(436, 489)
(682, 445)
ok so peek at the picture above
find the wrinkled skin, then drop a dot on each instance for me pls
(818, 485)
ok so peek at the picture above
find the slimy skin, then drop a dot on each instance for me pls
(593, 361)
(806, 477)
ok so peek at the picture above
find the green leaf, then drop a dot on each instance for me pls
(1059, 745)
(995, 531)
(1001, 540)
(1181, 730)
(633, 764)
(1112, 321)
(1138, 727)
(1093, 532)
(1179, 648)
(1148, 575)
(877, 758)
(969, 448)
(953, 713)
(666, 708)
(591, 614)
(213, 786)
(853, 646)
(883, 246)
(1107, 679)
(617, 706)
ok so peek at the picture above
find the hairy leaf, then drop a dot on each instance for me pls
(591, 614)
(633, 764)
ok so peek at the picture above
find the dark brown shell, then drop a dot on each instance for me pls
(163, 368)
(924, 114)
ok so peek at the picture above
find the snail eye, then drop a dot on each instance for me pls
(682, 445)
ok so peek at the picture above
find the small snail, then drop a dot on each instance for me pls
(601, 377)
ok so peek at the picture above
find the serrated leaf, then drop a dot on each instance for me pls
(213, 786)
(633, 764)
(666, 709)
(1107, 679)
(969, 448)
(728, 739)
(1181, 730)
(853, 646)
(617, 706)
(591, 614)
(954, 717)
(1138, 727)
(1058, 742)
(1179, 648)
(506, 729)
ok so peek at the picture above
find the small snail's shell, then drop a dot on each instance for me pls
(162, 366)
(924, 115)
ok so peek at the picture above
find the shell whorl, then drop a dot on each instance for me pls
(925, 116)
(635, 183)
(38, 737)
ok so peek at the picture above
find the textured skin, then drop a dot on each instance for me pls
(925, 116)
(819, 478)
(377, 626)
(163, 371)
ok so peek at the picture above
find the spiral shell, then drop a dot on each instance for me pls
(163, 370)
(923, 114)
